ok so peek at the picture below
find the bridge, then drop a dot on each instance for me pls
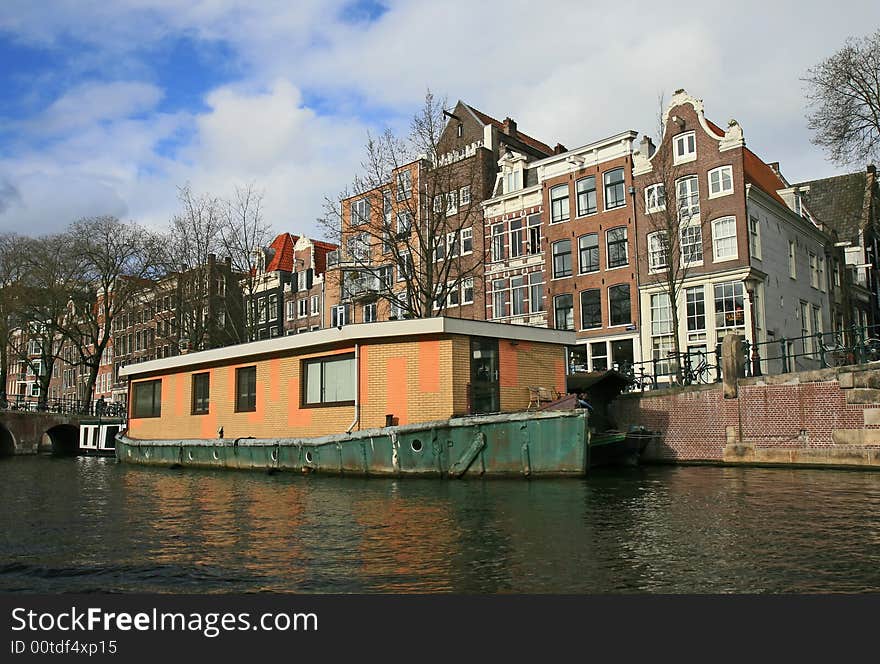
(27, 427)
(24, 432)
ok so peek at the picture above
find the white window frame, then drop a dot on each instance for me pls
(467, 285)
(302, 306)
(564, 204)
(658, 255)
(464, 195)
(655, 197)
(720, 258)
(360, 211)
(720, 172)
(680, 144)
(686, 234)
(689, 209)
(755, 236)
(316, 304)
(792, 259)
(290, 307)
(404, 185)
(467, 236)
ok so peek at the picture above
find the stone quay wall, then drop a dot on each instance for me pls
(829, 417)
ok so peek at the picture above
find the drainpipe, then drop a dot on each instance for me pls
(357, 390)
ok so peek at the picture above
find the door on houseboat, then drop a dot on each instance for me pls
(485, 396)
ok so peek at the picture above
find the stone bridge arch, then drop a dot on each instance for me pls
(61, 439)
(7, 441)
(29, 433)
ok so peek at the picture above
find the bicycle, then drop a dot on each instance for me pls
(700, 373)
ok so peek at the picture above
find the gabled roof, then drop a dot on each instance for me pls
(525, 138)
(283, 256)
(839, 202)
(762, 176)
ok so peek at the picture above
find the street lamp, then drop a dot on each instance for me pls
(751, 284)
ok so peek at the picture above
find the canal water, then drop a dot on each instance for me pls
(91, 524)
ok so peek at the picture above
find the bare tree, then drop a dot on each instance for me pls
(843, 93)
(243, 232)
(408, 211)
(49, 271)
(11, 268)
(194, 240)
(676, 221)
(116, 261)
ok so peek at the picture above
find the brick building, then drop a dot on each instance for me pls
(415, 246)
(305, 290)
(747, 263)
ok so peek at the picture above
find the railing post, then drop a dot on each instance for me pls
(821, 348)
(747, 356)
(718, 362)
(783, 354)
(687, 369)
(654, 373)
(857, 344)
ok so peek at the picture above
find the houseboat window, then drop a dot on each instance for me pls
(245, 389)
(329, 381)
(200, 391)
(147, 401)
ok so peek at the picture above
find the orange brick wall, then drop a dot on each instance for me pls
(525, 364)
(412, 380)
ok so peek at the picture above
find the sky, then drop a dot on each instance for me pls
(111, 107)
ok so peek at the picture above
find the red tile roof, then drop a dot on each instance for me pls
(525, 138)
(714, 127)
(761, 175)
(283, 258)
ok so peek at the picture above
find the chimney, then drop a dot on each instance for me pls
(509, 126)
(559, 149)
(646, 147)
(872, 169)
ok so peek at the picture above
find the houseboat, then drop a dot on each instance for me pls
(439, 397)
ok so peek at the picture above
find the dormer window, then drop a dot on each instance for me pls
(512, 181)
(685, 147)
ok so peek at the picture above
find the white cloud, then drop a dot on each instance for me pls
(572, 72)
(93, 102)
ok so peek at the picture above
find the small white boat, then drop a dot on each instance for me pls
(98, 436)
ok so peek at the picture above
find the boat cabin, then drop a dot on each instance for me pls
(345, 379)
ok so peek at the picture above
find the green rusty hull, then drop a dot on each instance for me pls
(554, 443)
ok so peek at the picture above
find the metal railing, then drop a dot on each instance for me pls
(855, 345)
(852, 346)
(67, 406)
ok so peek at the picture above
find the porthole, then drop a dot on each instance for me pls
(216, 455)
(308, 457)
(129, 452)
(416, 445)
(189, 455)
(146, 454)
(274, 455)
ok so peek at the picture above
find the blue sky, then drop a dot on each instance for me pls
(109, 107)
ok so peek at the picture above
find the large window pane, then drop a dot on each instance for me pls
(591, 309)
(618, 297)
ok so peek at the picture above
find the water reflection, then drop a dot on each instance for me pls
(92, 524)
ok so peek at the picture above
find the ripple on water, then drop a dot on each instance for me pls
(90, 525)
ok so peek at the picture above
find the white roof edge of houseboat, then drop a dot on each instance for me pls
(356, 333)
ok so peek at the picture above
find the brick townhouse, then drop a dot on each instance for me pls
(305, 292)
(444, 196)
(749, 263)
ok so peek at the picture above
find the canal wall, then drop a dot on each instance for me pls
(828, 417)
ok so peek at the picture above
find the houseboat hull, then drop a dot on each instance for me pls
(526, 444)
